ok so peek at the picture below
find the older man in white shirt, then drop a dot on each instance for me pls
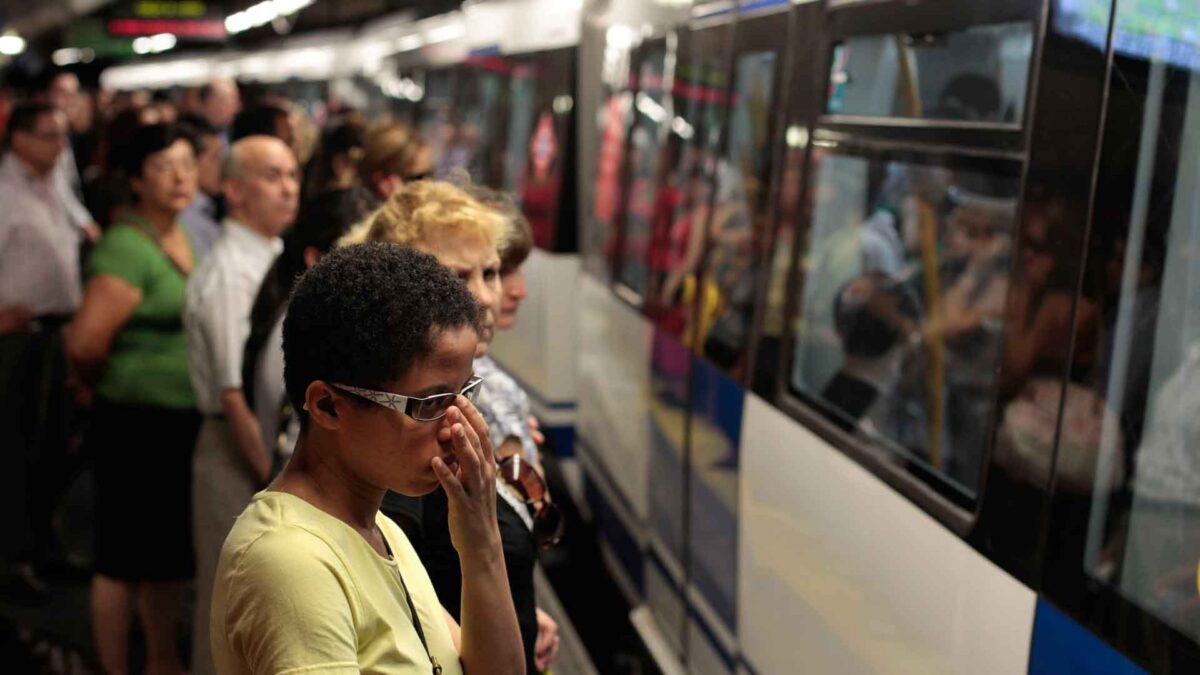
(39, 291)
(60, 88)
(261, 187)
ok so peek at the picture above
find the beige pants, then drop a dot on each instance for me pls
(222, 486)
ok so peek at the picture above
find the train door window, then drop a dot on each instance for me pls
(599, 245)
(1127, 456)
(437, 121)
(975, 75)
(738, 222)
(483, 97)
(548, 140)
(651, 114)
(522, 96)
(899, 331)
(682, 203)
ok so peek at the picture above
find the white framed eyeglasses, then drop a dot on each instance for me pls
(424, 409)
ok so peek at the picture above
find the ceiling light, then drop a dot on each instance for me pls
(451, 31)
(410, 42)
(285, 7)
(11, 44)
(162, 42)
(66, 56)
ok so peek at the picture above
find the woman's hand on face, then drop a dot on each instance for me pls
(471, 488)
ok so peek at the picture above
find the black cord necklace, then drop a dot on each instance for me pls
(412, 609)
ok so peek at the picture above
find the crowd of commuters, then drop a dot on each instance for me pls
(174, 316)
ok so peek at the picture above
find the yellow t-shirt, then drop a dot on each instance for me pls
(298, 590)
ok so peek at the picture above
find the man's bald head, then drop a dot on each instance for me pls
(220, 101)
(261, 184)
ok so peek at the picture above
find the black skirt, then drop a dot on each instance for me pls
(143, 459)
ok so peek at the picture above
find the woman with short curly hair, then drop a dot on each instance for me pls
(378, 347)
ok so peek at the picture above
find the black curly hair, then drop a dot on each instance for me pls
(366, 313)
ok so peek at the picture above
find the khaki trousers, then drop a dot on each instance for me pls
(222, 486)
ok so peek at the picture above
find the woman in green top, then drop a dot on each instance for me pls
(127, 342)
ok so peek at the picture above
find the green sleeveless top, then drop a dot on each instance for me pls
(147, 363)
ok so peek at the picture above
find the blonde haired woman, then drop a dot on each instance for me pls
(465, 236)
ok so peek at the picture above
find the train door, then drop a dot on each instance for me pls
(631, 421)
(733, 190)
(649, 159)
(1121, 548)
(691, 121)
(910, 221)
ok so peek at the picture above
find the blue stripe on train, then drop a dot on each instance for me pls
(719, 402)
(1063, 647)
(561, 439)
(621, 541)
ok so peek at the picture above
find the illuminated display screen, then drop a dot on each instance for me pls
(1165, 30)
(192, 29)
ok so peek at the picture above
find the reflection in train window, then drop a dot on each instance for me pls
(681, 205)
(978, 74)
(522, 93)
(481, 107)
(899, 332)
(737, 225)
(599, 243)
(438, 123)
(645, 166)
(1130, 434)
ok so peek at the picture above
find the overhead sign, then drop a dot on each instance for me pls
(185, 19)
(170, 9)
(91, 34)
(189, 29)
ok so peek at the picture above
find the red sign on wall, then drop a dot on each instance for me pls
(188, 29)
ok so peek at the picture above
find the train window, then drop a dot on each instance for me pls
(645, 166)
(599, 243)
(1128, 449)
(979, 74)
(737, 224)
(522, 95)
(681, 205)
(905, 279)
(482, 104)
(438, 123)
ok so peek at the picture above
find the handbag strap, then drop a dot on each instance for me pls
(412, 609)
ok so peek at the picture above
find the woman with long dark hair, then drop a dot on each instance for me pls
(322, 221)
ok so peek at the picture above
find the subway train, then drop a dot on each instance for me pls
(861, 327)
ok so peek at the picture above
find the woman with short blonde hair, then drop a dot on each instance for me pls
(427, 210)
(465, 235)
